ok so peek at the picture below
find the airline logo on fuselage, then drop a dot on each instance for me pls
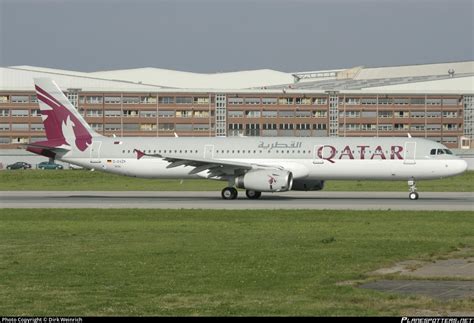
(331, 153)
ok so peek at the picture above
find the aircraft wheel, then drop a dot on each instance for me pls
(413, 196)
(229, 193)
(253, 195)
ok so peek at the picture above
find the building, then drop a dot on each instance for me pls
(435, 101)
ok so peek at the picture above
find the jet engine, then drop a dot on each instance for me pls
(266, 180)
(307, 185)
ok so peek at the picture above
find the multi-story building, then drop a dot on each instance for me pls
(435, 101)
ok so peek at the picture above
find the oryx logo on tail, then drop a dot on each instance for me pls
(62, 123)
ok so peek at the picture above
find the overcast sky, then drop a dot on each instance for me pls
(230, 35)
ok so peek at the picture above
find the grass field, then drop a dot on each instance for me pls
(82, 180)
(188, 262)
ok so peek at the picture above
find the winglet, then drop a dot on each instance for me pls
(140, 153)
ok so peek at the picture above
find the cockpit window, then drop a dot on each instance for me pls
(440, 152)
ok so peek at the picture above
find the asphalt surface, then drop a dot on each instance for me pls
(448, 201)
(444, 290)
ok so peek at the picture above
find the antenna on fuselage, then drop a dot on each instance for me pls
(409, 136)
(175, 134)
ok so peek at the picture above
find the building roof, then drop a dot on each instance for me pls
(178, 79)
(455, 77)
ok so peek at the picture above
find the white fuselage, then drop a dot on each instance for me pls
(306, 158)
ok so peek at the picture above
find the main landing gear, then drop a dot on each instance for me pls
(253, 195)
(230, 193)
(413, 193)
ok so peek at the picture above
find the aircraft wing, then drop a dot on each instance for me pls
(215, 167)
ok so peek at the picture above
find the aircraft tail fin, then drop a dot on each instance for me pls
(63, 124)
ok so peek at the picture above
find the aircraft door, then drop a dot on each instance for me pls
(316, 158)
(410, 153)
(95, 149)
(208, 151)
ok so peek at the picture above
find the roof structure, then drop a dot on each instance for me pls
(455, 77)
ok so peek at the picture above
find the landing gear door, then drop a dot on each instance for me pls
(410, 153)
(208, 151)
(317, 159)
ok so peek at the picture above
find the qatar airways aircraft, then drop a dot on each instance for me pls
(256, 164)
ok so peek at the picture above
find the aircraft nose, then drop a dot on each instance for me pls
(459, 166)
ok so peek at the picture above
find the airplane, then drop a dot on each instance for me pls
(256, 164)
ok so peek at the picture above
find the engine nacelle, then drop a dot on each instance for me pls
(265, 180)
(307, 185)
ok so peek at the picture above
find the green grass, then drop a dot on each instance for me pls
(81, 180)
(187, 262)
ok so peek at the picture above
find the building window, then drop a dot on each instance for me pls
(235, 101)
(286, 114)
(252, 101)
(417, 101)
(113, 113)
(184, 100)
(131, 100)
(148, 99)
(19, 99)
(20, 113)
(184, 127)
(285, 101)
(4, 127)
(112, 127)
(166, 126)
(94, 99)
(269, 101)
(112, 100)
(320, 101)
(269, 114)
(184, 114)
(201, 100)
(20, 127)
(37, 127)
(166, 114)
(368, 101)
(131, 126)
(445, 101)
(303, 114)
(385, 114)
(166, 100)
(320, 114)
(130, 113)
(235, 114)
(201, 127)
(401, 101)
(201, 114)
(252, 114)
(147, 114)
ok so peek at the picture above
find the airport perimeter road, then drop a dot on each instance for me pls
(446, 201)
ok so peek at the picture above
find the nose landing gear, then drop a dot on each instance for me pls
(413, 195)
